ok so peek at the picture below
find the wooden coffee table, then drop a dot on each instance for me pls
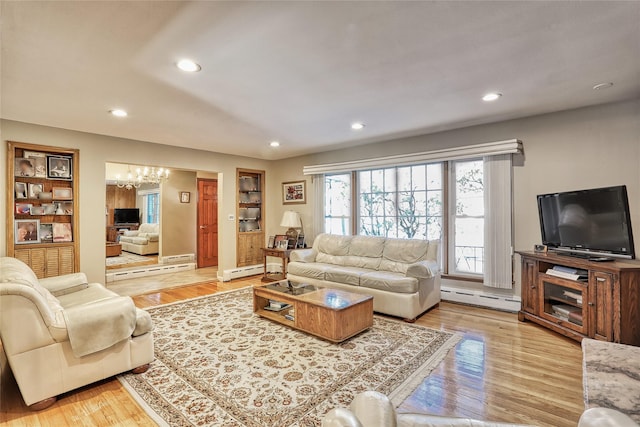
(113, 249)
(332, 314)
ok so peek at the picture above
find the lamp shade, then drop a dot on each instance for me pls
(291, 219)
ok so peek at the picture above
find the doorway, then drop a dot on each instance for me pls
(207, 230)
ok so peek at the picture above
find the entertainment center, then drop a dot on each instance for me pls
(606, 304)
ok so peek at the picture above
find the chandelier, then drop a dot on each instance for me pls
(143, 176)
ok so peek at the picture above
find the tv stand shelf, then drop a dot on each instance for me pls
(606, 306)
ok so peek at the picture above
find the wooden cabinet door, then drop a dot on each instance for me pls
(35, 258)
(530, 292)
(601, 305)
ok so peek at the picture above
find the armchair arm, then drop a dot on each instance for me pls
(66, 284)
(605, 417)
(303, 255)
(340, 417)
(100, 324)
(423, 269)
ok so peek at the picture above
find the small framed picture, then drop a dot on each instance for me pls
(185, 197)
(272, 240)
(62, 193)
(62, 232)
(300, 243)
(36, 210)
(46, 233)
(23, 208)
(278, 239)
(294, 192)
(24, 167)
(35, 190)
(39, 161)
(59, 167)
(49, 208)
(21, 190)
(64, 208)
(27, 231)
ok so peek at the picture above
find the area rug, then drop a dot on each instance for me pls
(219, 364)
(125, 258)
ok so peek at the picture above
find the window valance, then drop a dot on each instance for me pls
(511, 146)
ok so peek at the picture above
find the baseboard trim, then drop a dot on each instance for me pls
(480, 298)
(149, 270)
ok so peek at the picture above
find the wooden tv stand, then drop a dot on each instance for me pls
(606, 306)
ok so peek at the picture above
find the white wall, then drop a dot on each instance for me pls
(95, 151)
(178, 220)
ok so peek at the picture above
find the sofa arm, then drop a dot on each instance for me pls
(303, 255)
(131, 233)
(423, 269)
(98, 325)
(605, 417)
(69, 283)
(340, 417)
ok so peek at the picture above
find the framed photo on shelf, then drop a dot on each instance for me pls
(27, 231)
(39, 161)
(49, 208)
(64, 208)
(37, 210)
(35, 190)
(23, 208)
(59, 167)
(62, 232)
(294, 192)
(272, 240)
(24, 167)
(21, 190)
(185, 197)
(46, 233)
(62, 193)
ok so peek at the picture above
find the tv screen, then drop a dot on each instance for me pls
(126, 216)
(588, 221)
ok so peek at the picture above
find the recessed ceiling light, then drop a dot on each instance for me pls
(491, 96)
(357, 126)
(602, 86)
(118, 112)
(274, 144)
(188, 65)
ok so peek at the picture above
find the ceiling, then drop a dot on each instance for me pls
(301, 72)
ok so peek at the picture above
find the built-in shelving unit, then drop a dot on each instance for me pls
(250, 215)
(599, 300)
(43, 208)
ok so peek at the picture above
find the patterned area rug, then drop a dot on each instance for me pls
(219, 364)
(125, 258)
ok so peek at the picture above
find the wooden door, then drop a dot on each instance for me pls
(207, 223)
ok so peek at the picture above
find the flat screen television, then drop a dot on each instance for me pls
(590, 223)
(126, 216)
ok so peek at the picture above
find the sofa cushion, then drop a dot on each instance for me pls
(389, 281)
(135, 240)
(345, 274)
(332, 244)
(314, 270)
(400, 253)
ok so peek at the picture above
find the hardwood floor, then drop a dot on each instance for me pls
(502, 370)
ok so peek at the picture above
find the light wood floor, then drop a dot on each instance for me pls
(502, 370)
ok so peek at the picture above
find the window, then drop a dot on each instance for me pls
(337, 204)
(151, 206)
(403, 202)
(466, 253)
(409, 202)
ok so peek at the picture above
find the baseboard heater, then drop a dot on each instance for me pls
(480, 298)
(150, 270)
(177, 259)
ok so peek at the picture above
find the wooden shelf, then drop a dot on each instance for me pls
(249, 242)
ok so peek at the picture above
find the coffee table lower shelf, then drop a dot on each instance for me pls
(330, 314)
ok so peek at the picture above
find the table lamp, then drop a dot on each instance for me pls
(291, 219)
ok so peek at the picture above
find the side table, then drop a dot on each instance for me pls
(277, 253)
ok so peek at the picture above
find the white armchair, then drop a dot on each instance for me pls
(143, 241)
(62, 333)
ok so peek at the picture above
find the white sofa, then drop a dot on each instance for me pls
(143, 241)
(62, 333)
(402, 275)
(373, 409)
